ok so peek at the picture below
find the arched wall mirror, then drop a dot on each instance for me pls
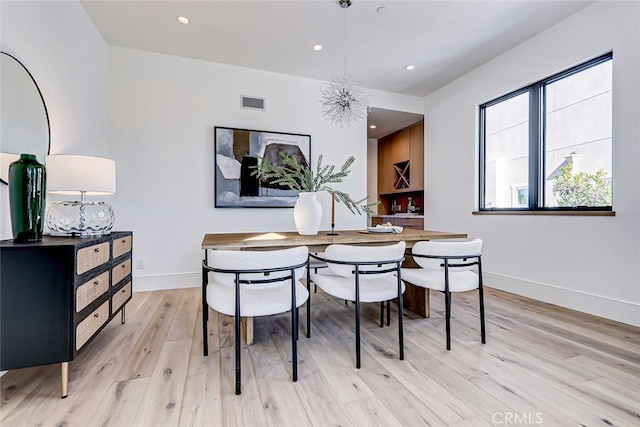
(24, 121)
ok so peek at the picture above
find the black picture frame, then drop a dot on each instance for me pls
(238, 151)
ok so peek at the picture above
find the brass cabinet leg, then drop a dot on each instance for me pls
(64, 374)
(122, 315)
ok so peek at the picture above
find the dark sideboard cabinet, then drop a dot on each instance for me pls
(56, 295)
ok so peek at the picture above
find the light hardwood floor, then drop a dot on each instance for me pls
(542, 365)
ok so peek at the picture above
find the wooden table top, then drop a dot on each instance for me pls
(258, 240)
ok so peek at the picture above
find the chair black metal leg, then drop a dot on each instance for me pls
(389, 312)
(447, 304)
(357, 321)
(481, 295)
(315, 287)
(309, 312)
(294, 326)
(309, 302)
(205, 332)
(400, 319)
(381, 314)
(237, 333)
(400, 329)
(294, 343)
(482, 330)
(205, 313)
(238, 370)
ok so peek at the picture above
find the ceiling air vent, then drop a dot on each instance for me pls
(252, 103)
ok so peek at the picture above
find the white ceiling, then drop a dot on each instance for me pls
(443, 39)
(389, 121)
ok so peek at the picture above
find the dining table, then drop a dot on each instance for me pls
(415, 298)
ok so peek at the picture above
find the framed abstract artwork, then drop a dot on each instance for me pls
(238, 152)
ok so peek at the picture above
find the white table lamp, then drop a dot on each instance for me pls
(83, 176)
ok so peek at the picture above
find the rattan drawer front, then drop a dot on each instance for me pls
(120, 297)
(120, 271)
(89, 291)
(121, 246)
(91, 257)
(91, 324)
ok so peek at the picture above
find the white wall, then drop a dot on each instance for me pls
(586, 263)
(162, 113)
(67, 57)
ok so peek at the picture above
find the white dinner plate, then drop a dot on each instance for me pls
(380, 229)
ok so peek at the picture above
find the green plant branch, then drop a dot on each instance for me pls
(298, 177)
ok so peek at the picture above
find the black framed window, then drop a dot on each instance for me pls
(548, 146)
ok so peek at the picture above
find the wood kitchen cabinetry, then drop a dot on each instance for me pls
(401, 165)
(56, 295)
(385, 166)
(400, 146)
(416, 154)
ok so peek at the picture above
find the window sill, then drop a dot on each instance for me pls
(550, 212)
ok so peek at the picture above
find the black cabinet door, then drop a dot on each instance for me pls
(36, 302)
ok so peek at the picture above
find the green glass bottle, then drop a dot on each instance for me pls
(27, 181)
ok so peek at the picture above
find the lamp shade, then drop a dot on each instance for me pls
(71, 174)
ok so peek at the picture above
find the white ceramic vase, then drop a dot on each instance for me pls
(307, 213)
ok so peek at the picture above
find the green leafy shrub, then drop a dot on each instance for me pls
(581, 189)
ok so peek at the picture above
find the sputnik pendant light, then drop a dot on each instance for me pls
(343, 99)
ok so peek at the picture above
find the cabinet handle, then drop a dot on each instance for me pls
(96, 250)
(97, 282)
(123, 266)
(96, 315)
(123, 291)
(123, 241)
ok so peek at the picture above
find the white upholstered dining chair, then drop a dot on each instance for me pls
(449, 266)
(254, 283)
(363, 274)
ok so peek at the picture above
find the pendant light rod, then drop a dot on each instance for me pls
(344, 100)
(345, 4)
(344, 33)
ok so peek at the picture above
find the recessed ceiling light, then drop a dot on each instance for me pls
(317, 47)
(183, 20)
(409, 67)
(372, 127)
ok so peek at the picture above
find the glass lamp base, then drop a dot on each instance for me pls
(80, 218)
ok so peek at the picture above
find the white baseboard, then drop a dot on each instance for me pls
(159, 282)
(598, 305)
